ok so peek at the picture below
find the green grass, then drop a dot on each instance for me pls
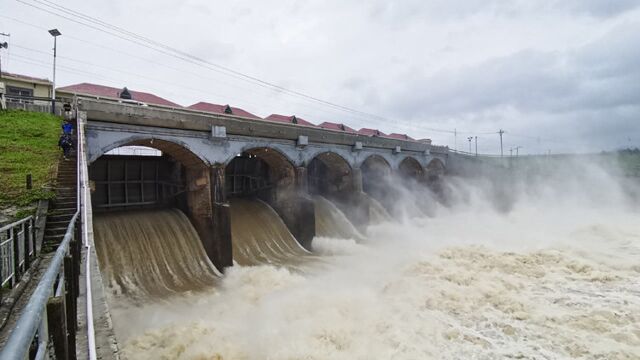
(28, 145)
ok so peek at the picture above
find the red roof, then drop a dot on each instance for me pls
(107, 91)
(335, 126)
(371, 132)
(401, 137)
(220, 109)
(26, 77)
(288, 119)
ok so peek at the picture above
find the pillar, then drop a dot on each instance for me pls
(356, 177)
(302, 185)
(220, 219)
(297, 210)
(357, 203)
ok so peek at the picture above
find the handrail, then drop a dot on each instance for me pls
(17, 248)
(56, 293)
(83, 193)
(17, 346)
(16, 223)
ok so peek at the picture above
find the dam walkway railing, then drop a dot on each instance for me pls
(17, 250)
(49, 321)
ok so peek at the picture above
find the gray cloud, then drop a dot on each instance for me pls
(534, 67)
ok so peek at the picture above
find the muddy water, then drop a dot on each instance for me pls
(538, 283)
(332, 223)
(151, 254)
(377, 212)
(260, 237)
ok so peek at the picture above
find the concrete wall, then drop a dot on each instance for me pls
(103, 137)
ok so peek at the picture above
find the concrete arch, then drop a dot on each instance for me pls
(175, 148)
(329, 173)
(410, 167)
(435, 167)
(376, 181)
(278, 172)
(332, 159)
(376, 163)
(273, 156)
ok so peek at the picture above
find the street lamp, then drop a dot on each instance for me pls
(55, 33)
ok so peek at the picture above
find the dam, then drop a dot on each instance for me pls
(230, 238)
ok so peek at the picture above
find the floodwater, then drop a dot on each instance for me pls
(261, 237)
(553, 274)
(147, 254)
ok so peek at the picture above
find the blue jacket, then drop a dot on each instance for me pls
(67, 128)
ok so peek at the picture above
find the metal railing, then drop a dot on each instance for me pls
(49, 320)
(52, 308)
(14, 260)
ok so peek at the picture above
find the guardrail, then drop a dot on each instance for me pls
(14, 260)
(51, 314)
(52, 308)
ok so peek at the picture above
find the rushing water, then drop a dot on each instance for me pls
(332, 223)
(553, 274)
(150, 254)
(260, 237)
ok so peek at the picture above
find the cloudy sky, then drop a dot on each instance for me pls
(559, 75)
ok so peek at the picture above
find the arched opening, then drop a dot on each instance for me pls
(376, 173)
(411, 169)
(135, 176)
(141, 192)
(266, 213)
(262, 173)
(435, 170)
(329, 175)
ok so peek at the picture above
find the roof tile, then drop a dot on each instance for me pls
(371, 132)
(108, 91)
(288, 119)
(220, 109)
(338, 127)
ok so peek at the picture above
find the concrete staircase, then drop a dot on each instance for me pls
(61, 210)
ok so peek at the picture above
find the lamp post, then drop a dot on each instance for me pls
(55, 33)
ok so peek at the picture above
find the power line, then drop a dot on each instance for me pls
(164, 49)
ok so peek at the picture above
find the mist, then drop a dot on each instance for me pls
(536, 258)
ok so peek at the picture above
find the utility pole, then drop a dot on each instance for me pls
(455, 139)
(501, 132)
(476, 146)
(517, 148)
(470, 138)
(510, 152)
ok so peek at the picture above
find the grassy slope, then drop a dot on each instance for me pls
(28, 145)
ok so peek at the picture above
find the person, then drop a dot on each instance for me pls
(66, 143)
(67, 128)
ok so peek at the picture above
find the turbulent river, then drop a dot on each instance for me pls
(555, 274)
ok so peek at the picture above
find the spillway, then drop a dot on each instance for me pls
(331, 222)
(261, 237)
(151, 253)
(377, 212)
